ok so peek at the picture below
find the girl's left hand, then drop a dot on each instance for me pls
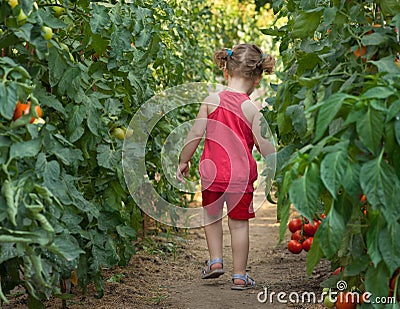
(183, 169)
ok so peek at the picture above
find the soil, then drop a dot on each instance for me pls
(165, 273)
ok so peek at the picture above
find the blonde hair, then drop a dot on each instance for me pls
(245, 60)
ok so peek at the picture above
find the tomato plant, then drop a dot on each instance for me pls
(337, 119)
(65, 208)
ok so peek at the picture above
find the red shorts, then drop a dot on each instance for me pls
(240, 205)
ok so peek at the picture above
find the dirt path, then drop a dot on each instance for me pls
(156, 279)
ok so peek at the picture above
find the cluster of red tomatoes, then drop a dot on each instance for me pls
(303, 232)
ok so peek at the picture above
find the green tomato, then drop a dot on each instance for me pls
(328, 303)
(58, 11)
(21, 17)
(48, 32)
(119, 133)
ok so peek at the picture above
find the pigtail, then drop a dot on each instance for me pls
(221, 58)
(267, 63)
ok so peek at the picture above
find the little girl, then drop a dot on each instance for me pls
(227, 168)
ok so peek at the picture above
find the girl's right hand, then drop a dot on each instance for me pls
(183, 169)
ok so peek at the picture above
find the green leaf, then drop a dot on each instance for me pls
(333, 168)
(93, 118)
(370, 129)
(70, 82)
(67, 155)
(391, 211)
(305, 24)
(374, 278)
(327, 113)
(330, 232)
(66, 246)
(8, 100)
(378, 182)
(394, 110)
(99, 19)
(126, 231)
(351, 180)
(52, 181)
(373, 39)
(51, 21)
(273, 31)
(284, 123)
(7, 252)
(389, 246)
(56, 65)
(76, 115)
(378, 93)
(47, 99)
(372, 238)
(390, 7)
(299, 121)
(385, 65)
(357, 265)
(113, 195)
(313, 256)
(25, 149)
(120, 41)
(329, 15)
(304, 191)
(106, 157)
(24, 32)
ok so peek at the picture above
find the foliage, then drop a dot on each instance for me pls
(64, 204)
(336, 115)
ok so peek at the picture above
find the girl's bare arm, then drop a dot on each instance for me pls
(195, 135)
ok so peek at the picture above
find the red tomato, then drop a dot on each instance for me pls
(345, 300)
(307, 243)
(310, 228)
(323, 216)
(23, 109)
(295, 225)
(337, 271)
(294, 246)
(298, 236)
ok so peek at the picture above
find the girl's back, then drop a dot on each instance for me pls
(227, 163)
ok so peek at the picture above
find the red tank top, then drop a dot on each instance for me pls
(227, 164)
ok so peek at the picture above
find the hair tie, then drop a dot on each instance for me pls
(230, 53)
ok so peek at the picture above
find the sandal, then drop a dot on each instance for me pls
(208, 273)
(249, 282)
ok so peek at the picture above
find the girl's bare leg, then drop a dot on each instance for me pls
(214, 237)
(239, 230)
